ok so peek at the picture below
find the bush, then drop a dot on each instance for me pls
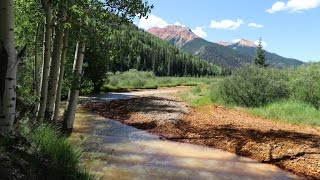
(305, 84)
(215, 95)
(252, 86)
(137, 82)
(87, 86)
(113, 81)
(129, 79)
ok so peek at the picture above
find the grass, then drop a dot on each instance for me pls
(196, 97)
(203, 94)
(50, 155)
(62, 158)
(133, 79)
(289, 95)
(289, 111)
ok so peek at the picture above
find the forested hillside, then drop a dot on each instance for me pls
(273, 59)
(224, 54)
(127, 47)
(216, 53)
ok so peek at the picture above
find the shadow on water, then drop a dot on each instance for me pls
(125, 152)
(107, 97)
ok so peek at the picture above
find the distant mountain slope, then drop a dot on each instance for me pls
(215, 53)
(272, 58)
(224, 54)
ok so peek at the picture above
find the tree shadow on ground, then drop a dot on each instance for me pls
(240, 137)
(123, 108)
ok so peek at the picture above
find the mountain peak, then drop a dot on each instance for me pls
(180, 35)
(239, 42)
(222, 43)
(244, 42)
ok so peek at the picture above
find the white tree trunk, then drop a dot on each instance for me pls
(54, 74)
(55, 65)
(36, 83)
(36, 66)
(74, 91)
(46, 61)
(8, 67)
(61, 75)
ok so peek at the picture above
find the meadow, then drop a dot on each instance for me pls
(134, 79)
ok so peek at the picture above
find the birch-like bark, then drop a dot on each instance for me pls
(46, 60)
(54, 73)
(55, 65)
(61, 75)
(8, 67)
(69, 114)
(36, 65)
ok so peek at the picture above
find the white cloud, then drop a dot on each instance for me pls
(236, 40)
(255, 25)
(264, 44)
(294, 6)
(226, 24)
(179, 24)
(200, 32)
(152, 21)
(278, 6)
(155, 21)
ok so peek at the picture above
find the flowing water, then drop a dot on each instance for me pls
(120, 152)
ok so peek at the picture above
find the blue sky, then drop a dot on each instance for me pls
(289, 28)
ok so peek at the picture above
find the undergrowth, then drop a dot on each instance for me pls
(62, 158)
(48, 154)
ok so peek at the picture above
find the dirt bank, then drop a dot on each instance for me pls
(293, 148)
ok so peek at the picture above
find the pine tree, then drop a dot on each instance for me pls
(260, 58)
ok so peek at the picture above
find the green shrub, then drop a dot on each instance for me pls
(215, 95)
(252, 86)
(113, 81)
(87, 86)
(129, 79)
(137, 82)
(305, 84)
